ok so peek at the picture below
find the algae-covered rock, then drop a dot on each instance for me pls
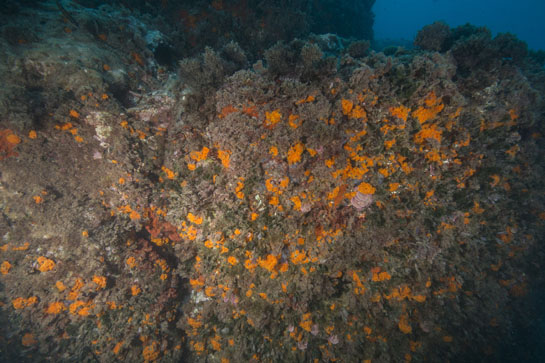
(262, 197)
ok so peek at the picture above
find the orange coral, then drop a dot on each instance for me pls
(477, 208)
(131, 262)
(299, 257)
(60, 286)
(250, 111)
(117, 347)
(194, 323)
(306, 322)
(78, 285)
(272, 118)
(199, 155)
(269, 263)
(393, 187)
(495, 180)
(513, 114)
(24, 247)
(294, 153)
(134, 215)
(8, 141)
(64, 127)
(170, 174)
(358, 112)
(292, 123)
(401, 112)
(194, 219)
(270, 186)
(216, 345)
(513, 151)
(227, 110)
(137, 58)
(224, 156)
(20, 302)
(151, 352)
(80, 308)
(28, 340)
(5, 267)
(238, 190)
(430, 110)
(360, 288)
(404, 325)
(366, 188)
(55, 308)
(250, 265)
(296, 202)
(100, 281)
(389, 143)
(209, 291)
(379, 275)
(347, 106)
(135, 290)
(351, 110)
(198, 346)
(309, 99)
(428, 132)
(45, 264)
(274, 200)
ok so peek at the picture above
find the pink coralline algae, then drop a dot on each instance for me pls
(361, 201)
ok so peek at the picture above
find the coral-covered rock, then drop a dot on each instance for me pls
(242, 195)
(433, 37)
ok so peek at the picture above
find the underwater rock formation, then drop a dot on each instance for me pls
(263, 198)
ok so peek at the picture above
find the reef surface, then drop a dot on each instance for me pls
(184, 187)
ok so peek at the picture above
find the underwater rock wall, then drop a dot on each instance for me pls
(311, 200)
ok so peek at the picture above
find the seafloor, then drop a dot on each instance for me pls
(212, 181)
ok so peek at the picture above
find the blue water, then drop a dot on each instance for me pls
(401, 19)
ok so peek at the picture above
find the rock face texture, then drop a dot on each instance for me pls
(184, 187)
